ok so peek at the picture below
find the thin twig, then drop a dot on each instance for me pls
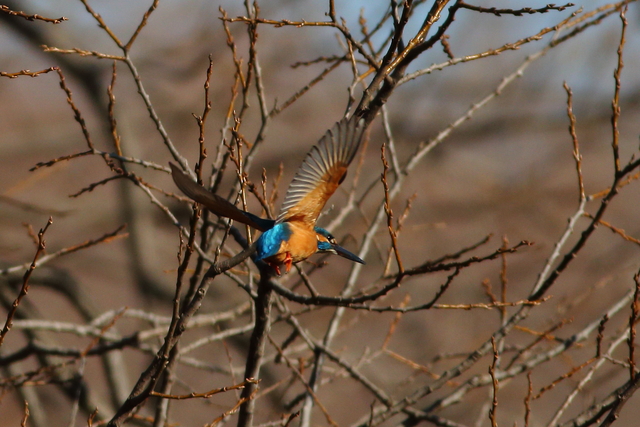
(28, 73)
(574, 138)
(515, 12)
(25, 281)
(615, 102)
(34, 17)
(206, 394)
(492, 372)
(106, 238)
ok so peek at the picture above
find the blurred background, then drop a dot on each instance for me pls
(509, 171)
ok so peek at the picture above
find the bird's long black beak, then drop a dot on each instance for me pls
(346, 254)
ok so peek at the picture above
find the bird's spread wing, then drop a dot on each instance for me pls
(215, 203)
(321, 172)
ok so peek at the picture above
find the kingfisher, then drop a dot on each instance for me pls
(293, 236)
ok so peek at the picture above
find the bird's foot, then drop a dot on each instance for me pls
(275, 267)
(287, 262)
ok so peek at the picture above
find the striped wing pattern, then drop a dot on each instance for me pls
(321, 172)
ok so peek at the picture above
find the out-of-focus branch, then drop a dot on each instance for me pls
(150, 376)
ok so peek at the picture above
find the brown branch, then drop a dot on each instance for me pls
(446, 47)
(328, 59)
(492, 52)
(515, 12)
(494, 381)
(150, 376)
(351, 369)
(92, 417)
(486, 306)
(61, 159)
(616, 230)
(389, 212)
(399, 228)
(503, 280)
(82, 52)
(201, 121)
(93, 186)
(622, 398)
(279, 23)
(25, 415)
(162, 406)
(233, 410)
(547, 335)
(486, 286)
(204, 395)
(429, 266)
(106, 238)
(586, 234)
(410, 363)
(231, 44)
(102, 24)
(28, 73)
(168, 353)
(574, 138)
(527, 400)
(608, 10)
(277, 109)
(394, 65)
(405, 402)
(141, 25)
(25, 282)
(348, 302)
(111, 110)
(300, 378)
(563, 377)
(34, 17)
(628, 180)
(394, 323)
(103, 331)
(600, 335)
(76, 111)
(615, 102)
(291, 418)
(463, 251)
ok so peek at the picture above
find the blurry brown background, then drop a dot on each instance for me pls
(507, 172)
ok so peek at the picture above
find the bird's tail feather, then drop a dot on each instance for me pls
(215, 203)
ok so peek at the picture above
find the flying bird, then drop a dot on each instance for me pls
(293, 236)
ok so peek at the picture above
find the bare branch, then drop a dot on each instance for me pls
(34, 17)
(515, 12)
(24, 290)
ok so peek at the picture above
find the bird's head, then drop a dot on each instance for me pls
(327, 243)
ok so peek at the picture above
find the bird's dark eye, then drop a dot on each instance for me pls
(331, 239)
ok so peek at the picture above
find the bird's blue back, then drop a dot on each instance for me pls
(269, 242)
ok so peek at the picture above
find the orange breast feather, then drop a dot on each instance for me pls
(301, 245)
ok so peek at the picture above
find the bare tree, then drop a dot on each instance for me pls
(446, 324)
